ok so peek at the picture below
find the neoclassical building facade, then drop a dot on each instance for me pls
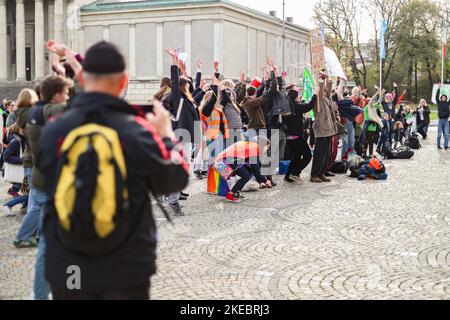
(211, 30)
(24, 27)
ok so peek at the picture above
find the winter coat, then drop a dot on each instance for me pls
(443, 106)
(188, 117)
(21, 122)
(37, 116)
(149, 169)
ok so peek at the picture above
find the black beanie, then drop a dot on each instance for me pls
(103, 58)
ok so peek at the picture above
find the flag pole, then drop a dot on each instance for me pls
(381, 72)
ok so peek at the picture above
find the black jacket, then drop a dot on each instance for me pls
(149, 169)
(390, 108)
(294, 123)
(189, 115)
(426, 115)
(443, 106)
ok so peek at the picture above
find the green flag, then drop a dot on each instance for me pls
(308, 85)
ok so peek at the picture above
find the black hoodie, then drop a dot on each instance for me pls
(149, 169)
(443, 106)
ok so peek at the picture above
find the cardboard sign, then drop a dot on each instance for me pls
(444, 90)
(334, 67)
(317, 53)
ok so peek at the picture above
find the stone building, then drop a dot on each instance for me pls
(238, 37)
(24, 27)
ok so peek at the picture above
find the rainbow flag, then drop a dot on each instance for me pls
(216, 184)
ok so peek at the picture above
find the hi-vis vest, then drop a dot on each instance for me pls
(91, 197)
(213, 125)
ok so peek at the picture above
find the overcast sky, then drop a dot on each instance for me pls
(301, 10)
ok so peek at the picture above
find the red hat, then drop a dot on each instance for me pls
(256, 82)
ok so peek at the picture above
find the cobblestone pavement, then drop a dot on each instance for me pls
(343, 240)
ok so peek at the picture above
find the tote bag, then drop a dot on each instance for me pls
(14, 173)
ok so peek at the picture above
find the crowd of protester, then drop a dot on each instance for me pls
(234, 131)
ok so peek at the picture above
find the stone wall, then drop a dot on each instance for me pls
(141, 92)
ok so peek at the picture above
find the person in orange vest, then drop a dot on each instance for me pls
(241, 159)
(213, 116)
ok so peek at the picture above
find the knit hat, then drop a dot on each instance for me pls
(103, 58)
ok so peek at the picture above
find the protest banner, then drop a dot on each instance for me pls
(317, 53)
(334, 67)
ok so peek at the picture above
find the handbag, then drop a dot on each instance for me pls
(14, 173)
(223, 169)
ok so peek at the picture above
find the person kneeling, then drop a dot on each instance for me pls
(240, 159)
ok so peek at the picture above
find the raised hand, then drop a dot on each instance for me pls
(242, 76)
(395, 84)
(58, 49)
(216, 66)
(199, 64)
(58, 67)
(182, 67)
(173, 53)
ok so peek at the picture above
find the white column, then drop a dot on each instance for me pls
(159, 50)
(188, 45)
(51, 29)
(132, 54)
(249, 53)
(20, 41)
(105, 33)
(59, 21)
(218, 43)
(39, 39)
(3, 43)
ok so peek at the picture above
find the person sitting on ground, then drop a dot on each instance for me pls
(240, 159)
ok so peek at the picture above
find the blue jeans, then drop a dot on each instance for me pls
(443, 128)
(41, 288)
(30, 224)
(349, 138)
(20, 199)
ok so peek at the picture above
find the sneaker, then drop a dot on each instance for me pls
(316, 180)
(439, 147)
(186, 195)
(176, 209)
(204, 173)
(446, 148)
(23, 211)
(289, 179)
(324, 179)
(6, 211)
(232, 198)
(292, 178)
(239, 196)
(19, 244)
(198, 174)
(181, 198)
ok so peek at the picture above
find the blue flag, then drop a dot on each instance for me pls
(322, 31)
(383, 30)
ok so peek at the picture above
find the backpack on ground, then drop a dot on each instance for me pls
(413, 142)
(403, 152)
(339, 167)
(91, 196)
